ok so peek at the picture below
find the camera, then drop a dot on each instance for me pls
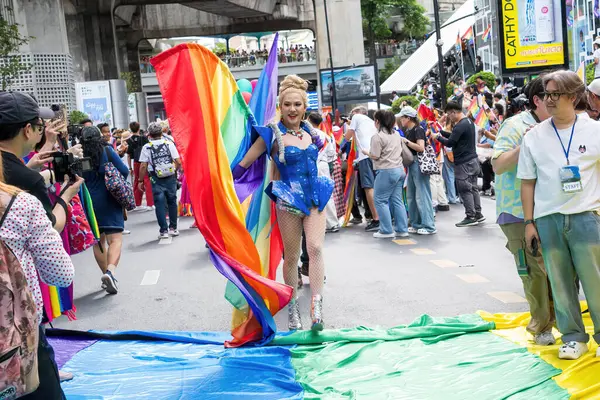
(66, 164)
(74, 132)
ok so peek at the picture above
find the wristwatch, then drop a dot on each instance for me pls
(529, 221)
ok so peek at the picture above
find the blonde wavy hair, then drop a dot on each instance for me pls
(293, 83)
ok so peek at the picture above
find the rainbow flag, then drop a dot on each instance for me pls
(473, 107)
(212, 127)
(581, 71)
(424, 113)
(482, 120)
(487, 33)
(351, 180)
(468, 35)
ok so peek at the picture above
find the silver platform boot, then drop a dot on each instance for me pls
(294, 321)
(316, 313)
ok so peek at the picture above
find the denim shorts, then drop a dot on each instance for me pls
(367, 175)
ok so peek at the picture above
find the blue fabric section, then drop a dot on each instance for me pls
(176, 370)
(174, 336)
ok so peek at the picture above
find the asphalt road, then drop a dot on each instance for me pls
(370, 282)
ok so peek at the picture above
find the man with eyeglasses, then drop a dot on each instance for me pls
(22, 127)
(509, 210)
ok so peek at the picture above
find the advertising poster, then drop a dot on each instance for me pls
(351, 84)
(533, 36)
(93, 98)
(132, 108)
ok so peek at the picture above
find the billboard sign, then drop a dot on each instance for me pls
(352, 84)
(533, 35)
(93, 98)
(313, 101)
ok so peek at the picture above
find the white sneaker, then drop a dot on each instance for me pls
(402, 234)
(380, 235)
(411, 230)
(163, 235)
(424, 231)
(572, 350)
(126, 232)
(544, 339)
(173, 232)
(598, 352)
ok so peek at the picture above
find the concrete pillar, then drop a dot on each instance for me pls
(91, 44)
(45, 21)
(345, 30)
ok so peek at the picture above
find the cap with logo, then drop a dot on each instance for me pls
(17, 107)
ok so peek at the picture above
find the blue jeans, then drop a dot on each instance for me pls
(418, 194)
(448, 174)
(388, 200)
(571, 249)
(164, 191)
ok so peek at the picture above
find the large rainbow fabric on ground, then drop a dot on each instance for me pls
(212, 127)
(476, 356)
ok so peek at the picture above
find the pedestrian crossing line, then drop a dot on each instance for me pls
(404, 242)
(422, 252)
(165, 241)
(472, 278)
(150, 277)
(507, 297)
(444, 263)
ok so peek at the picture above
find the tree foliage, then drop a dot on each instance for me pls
(410, 100)
(488, 77)
(11, 63)
(391, 65)
(77, 116)
(375, 14)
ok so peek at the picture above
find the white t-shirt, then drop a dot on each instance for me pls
(365, 129)
(542, 157)
(327, 154)
(145, 154)
(597, 71)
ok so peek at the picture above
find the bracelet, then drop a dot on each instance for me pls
(63, 204)
(529, 222)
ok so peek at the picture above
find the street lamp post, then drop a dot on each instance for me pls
(439, 43)
(333, 94)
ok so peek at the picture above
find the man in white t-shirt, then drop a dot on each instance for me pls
(362, 128)
(597, 57)
(559, 168)
(160, 159)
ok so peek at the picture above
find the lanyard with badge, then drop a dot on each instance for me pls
(570, 178)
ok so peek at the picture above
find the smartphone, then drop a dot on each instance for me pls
(534, 247)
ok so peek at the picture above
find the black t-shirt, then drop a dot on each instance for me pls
(16, 173)
(415, 134)
(135, 143)
(462, 141)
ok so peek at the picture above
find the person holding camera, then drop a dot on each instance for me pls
(109, 212)
(22, 127)
(509, 210)
(559, 168)
(160, 160)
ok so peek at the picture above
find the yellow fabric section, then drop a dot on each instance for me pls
(581, 378)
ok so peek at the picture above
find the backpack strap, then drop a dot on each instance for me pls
(10, 203)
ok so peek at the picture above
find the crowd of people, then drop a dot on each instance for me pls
(538, 147)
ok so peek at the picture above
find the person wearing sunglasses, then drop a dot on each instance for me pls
(559, 168)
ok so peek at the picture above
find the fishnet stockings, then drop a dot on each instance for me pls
(291, 233)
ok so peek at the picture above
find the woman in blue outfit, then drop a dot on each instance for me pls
(418, 191)
(109, 212)
(299, 193)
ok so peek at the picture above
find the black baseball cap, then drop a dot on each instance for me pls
(17, 107)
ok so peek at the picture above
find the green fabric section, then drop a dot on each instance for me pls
(233, 127)
(441, 363)
(431, 329)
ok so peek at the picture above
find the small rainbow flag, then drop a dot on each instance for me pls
(213, 129)
(425, 113)
(482, 120)
(487, 33)
(474, 107)
(468, 35)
